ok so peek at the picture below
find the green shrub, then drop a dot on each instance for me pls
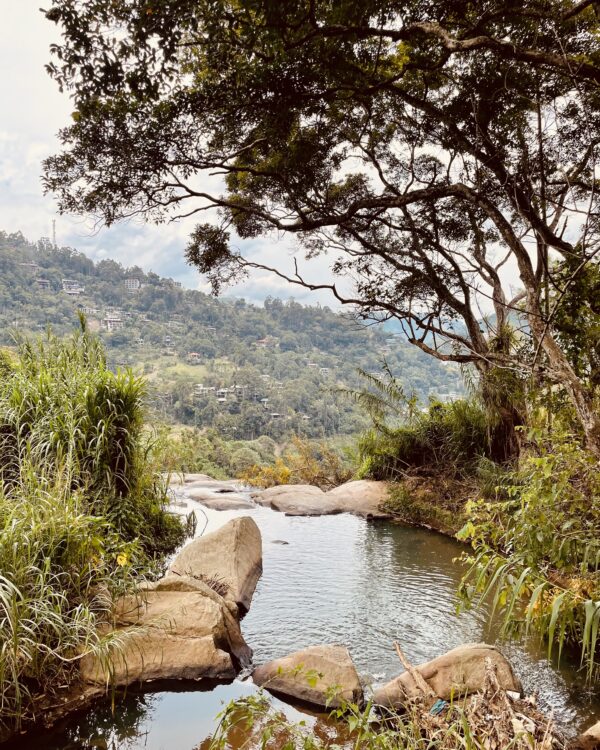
(450, 437)
(82, 513)
(60, 569)
(64, 413)
(537, 546)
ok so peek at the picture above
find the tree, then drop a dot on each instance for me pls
(431, 149)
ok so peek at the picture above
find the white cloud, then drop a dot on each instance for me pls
(34, 111)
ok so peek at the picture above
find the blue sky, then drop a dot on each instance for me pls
(31, 114)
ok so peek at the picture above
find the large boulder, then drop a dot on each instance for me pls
(455, 673)
(362, 498)
(169, 635)
(321, 675)
(231, 557)
(296, 500)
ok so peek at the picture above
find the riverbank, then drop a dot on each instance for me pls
(432, 502)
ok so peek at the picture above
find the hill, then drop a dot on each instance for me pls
(245, 370)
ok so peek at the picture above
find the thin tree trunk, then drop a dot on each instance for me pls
(565, 375)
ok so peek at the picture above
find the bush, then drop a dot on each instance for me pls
(305, 462)
(82, 514)
(446, 437)
(61, 567)
(64, 414)
(537, 546)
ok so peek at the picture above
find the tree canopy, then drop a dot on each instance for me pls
(443, 154)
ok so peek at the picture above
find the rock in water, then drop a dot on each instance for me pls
(172, 635)
(313, 675)
(231, 556)
(362, 498)
(219, 500)
(455, 673)
(295, 500)
(589, 740)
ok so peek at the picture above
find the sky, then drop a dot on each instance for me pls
(32, 111)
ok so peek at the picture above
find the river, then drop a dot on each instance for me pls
(331, 579)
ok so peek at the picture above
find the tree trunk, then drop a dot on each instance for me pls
(562, 372)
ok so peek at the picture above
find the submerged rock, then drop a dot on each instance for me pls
(171, 635)
(361, 498)
(231, 557)
(324, 676)
(456, 673)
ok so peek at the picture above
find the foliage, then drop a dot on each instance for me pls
(206, 452)
(421, 146)
(485, 720)
(537, 546)
(577, 317)
(63, 412)
(82, 513)
(437, 502)
(304, 462)
(449, 438)
(60, 567)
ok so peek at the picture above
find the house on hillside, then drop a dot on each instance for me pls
(112, 323)
(269, 342)
(43, 283)
(86, 310)
(194, 358)
(133, 284)
(72, 287)
(203, 390)
(29, 266)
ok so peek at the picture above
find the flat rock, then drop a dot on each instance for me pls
(311, 675)
(171, 635)
(218, 500)
(456, 673)
(179, 478)
(231, 555)
(362, 498)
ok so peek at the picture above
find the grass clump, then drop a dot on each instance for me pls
(64, 413)
(82, 513)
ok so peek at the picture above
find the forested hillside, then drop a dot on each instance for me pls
(245, 370)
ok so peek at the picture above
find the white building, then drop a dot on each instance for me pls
(132, 285)
(112, 323)
(70, 286)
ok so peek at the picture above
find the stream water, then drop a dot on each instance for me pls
(332, 579)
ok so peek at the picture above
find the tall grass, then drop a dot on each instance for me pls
(64, 413)
(82, 513)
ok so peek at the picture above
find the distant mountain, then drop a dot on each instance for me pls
(243, 369)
